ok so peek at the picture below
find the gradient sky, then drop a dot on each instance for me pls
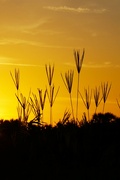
(35, 32)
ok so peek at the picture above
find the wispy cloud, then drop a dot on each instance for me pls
(105, 64)
(22, 27)
(77, 10)
(96, 65)
(20, 64)
(13, 41)
(7, 61)
(30, 26)
(19, 41)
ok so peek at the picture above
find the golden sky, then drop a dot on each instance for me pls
(36, 32)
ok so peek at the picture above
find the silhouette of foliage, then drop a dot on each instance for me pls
(65, 150)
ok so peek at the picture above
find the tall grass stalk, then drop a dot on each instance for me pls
(105, 92)
(50, 72)
(68, 81)
(42, 100)
(78, 62)
(87, 100)
(97, 99)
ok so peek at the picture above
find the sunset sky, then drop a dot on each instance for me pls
(36, 32)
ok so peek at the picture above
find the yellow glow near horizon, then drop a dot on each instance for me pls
(36, 33)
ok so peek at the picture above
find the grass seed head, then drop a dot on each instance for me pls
(68, 81)
(16, 78)
(50, 73)
(78, 59)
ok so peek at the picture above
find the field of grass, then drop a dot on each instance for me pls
(35, 103)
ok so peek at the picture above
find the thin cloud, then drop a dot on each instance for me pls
(94, 65)
(29, 28)
(77, 10)
(19, 41)
(6, 61)
(103, 65)
(22, 65)
(32, 43)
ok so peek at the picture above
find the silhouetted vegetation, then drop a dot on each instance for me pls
(86, 148)
(70, 149)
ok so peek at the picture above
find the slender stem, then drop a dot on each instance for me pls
(42, 116)
(71, 106)
(51, 115)
(103, 107)
(95, 109)
(24, 115)
(77, 98)
(50, 105)
(88, 115)
(18, 105)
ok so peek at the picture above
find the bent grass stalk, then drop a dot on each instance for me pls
(87, 100)
(68, 84)
(52, 98)
(26, 107)
(105, 92)
(16, 81)
(78, 62)
(35, 104)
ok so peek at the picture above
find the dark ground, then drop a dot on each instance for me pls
(65, 151)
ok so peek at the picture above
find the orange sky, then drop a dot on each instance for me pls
(35, 32)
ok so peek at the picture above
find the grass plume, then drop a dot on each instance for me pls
(105, 92)
(97, 99)
(16, 78)
(49, 72)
